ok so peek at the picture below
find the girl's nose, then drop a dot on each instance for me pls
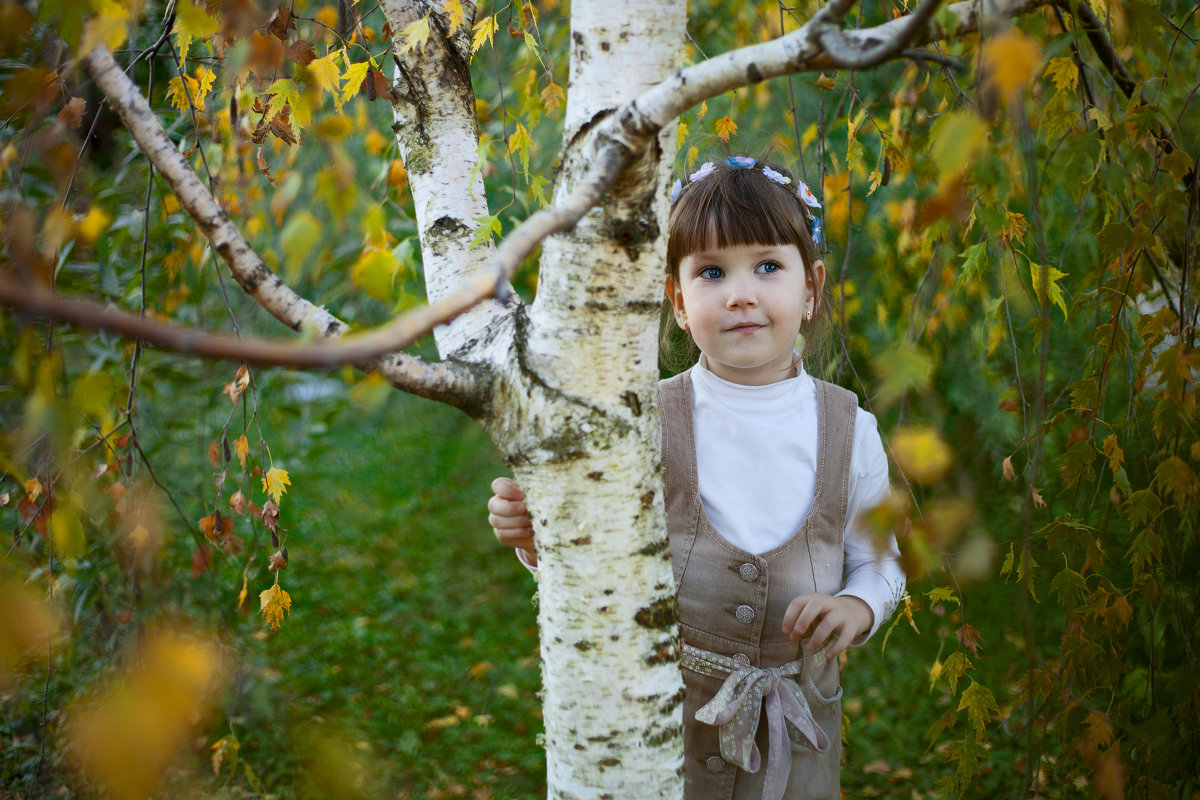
(741, 293)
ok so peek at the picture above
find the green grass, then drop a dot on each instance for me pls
(410, 655)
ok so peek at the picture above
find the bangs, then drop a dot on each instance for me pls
(735, 206)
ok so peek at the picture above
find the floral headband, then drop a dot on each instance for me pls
(746, 162)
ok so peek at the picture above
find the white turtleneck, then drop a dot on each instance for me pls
(756, 460)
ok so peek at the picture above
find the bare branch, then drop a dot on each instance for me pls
(354, 349)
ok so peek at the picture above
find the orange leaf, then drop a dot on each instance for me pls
(1038, 502)
(278, 560)
(238, 385)
(72, 113)
(214, 455)
(1010, 474)
(968, 636)
(1011, 59)
(725, 127)
(242, 448)
(275, 604)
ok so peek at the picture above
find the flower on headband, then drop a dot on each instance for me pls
(808, 197)
(816, 230)
(676, 188)
(745, 162)
(779, 178)
(705, 170)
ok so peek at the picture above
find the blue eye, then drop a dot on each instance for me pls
(712, 273)
(767, 267)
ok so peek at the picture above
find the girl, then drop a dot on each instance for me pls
(765, 473)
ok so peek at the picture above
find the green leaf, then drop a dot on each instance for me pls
(488, 226)
(1069, 585)
(958, 136)
(899, 369)
(1051, 276)
(975, 261)
(980, 705)
(943, 594)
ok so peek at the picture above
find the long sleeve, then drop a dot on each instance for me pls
(873, 576)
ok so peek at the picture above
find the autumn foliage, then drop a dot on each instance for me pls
(1011, 224)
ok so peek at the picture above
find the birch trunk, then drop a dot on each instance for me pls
(574, 401)
(590, 464)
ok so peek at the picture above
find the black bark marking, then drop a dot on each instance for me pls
(659, 615)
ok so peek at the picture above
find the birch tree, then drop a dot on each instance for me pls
(564, 384)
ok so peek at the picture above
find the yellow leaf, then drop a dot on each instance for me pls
(181, 91)
(415, 35)
(725, 128)
(922, 454)
(275, 604)
(483, 32)
(1063, 72)
(191, 22)
(352, 79)
(375, 273)
(454, 13)
(325, 71)
(1011, 60)
(108, 28)
(94, 223)
(275, 483)
(552, 97)
(204, 79)
(520, 140)
(681, 134)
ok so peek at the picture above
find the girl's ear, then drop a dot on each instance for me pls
(814, 288)
(675, 295)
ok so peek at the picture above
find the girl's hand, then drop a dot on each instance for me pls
(820, 617)
(510, 520)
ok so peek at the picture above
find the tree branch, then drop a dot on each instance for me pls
(837, 46)
(358, 350)
(248, 269)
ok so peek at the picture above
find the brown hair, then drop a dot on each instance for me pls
(740, 206)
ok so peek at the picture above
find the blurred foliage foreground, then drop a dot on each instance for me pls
(1012, 239)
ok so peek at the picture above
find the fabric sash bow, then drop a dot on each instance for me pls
(737, 707)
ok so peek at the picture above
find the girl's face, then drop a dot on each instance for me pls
(744, 306)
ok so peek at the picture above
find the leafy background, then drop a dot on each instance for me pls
(1013, 243)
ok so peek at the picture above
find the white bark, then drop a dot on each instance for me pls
(438, 136)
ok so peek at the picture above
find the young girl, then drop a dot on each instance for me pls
(765, 472)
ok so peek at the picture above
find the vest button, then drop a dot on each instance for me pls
(748, 572)
(744, 614)
(715, 764)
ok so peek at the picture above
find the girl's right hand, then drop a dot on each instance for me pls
(510, 520)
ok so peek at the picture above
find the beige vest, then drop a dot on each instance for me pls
(732, 602)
